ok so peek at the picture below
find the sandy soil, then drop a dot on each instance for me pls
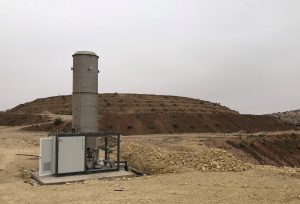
(261, 184)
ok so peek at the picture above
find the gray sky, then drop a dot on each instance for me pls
(241, 53)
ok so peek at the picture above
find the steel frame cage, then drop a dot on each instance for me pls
(105, 135)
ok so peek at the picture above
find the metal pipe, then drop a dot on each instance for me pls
(118, 152)
(105, 149)
(56, 154)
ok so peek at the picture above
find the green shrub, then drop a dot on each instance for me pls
(58, 121)
(151, 127)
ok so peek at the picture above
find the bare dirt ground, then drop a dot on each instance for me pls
(258, 184)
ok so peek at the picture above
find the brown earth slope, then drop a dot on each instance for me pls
(14, 119)
(282, 149)
(133, 124)
(125, 104)
(153, 114)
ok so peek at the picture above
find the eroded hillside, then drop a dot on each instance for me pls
(125, 104)
(133, 114)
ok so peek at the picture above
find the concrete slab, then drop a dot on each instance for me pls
(51, 179)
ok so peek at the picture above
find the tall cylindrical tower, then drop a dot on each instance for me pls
(85, 94)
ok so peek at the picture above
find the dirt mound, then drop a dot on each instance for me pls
(151, 160)
(277, 150)
(137, 124)
(133, 124)
(133, 114)
(12, 119)
(125, 104)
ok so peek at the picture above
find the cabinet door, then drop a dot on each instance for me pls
(47, 152)
(71, 154)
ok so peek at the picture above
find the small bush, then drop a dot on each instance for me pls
(58, 121)
(175, 126)
(129, 127)
(151, 127)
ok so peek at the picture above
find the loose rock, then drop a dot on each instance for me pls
(151, 160)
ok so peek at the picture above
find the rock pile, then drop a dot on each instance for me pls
(291, 117)
(152, 160)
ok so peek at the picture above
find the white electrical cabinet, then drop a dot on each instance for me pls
(47, 156)
(71, 154)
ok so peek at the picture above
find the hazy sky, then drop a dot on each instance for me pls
(244, 54)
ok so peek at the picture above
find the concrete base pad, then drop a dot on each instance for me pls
(51, 179)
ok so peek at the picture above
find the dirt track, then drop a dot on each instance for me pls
(261, 184)
(255, 186)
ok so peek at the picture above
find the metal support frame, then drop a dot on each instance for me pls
(105, 150)
(118, 152)
(105, 135)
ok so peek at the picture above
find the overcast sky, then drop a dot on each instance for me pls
(244, 54)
